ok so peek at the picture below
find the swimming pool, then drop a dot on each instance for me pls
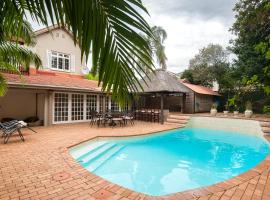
(172, 161)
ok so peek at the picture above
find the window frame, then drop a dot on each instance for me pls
(64, 57)
(60, 107)
(69, 95)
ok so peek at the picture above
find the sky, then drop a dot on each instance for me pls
(191, 25)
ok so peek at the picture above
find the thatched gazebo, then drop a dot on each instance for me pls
(161, 83)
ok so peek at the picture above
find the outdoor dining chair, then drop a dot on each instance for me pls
(128, 117)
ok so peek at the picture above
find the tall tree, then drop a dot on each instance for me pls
(252, 44)
(211, 64)
(110, 29)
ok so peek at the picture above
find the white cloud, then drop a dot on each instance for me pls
(190, 31)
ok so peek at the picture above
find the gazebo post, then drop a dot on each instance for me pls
(183, 103)
(162, 108)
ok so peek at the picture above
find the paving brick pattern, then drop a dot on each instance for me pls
(41, 168)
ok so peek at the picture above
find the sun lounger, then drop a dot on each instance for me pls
(11, 127)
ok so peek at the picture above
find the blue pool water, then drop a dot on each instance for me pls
(173, 161)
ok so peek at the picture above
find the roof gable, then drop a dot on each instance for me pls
(53, 28)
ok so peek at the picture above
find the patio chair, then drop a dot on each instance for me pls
(128, 117)
(93, 118)
(155, 116)
(102, 119)
(11, 127)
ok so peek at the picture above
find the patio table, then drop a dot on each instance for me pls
(117, 119)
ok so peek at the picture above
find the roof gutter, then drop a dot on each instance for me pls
(49, 87)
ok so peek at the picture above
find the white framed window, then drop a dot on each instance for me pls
(60, 61)
(91, 105)
(107, 103)
(77, 107)
(60, 107)
(114, 106)
(104, 100)
(73, 107)
(101, 100)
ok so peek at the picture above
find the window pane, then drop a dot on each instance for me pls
(66, 64)
(106, 103)
(60, 63)
(77, 107)
(60, 107)
(91, 105)
(114, 106)
(54, 62)
(101, 101)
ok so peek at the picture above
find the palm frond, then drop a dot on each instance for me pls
(14, 55)
(3, 85)
(160, 36)
(159, 33)
(107, 28)
(161, 56)
(20, 31)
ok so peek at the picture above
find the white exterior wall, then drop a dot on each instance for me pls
(223, 124)
(61, 41)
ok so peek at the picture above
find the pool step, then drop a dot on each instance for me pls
(178, 125)
(92, 155)
(181, 120)
(266, 130)
(265, 124)
(78, 153)
(180, 117)
(101, 159)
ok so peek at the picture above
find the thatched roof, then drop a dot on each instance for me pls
(162, 81)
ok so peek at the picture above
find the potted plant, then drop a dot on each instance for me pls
(213, 110)
(248, 112)
(226, 111)
(236, 111)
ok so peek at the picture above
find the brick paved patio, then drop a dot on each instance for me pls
(41, 168)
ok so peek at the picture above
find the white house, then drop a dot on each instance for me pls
(58, 92)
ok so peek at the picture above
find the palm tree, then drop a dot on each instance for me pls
(12, 55)
(158, 47)
(110, 29)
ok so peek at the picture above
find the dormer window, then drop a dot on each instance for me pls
(60, 61)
